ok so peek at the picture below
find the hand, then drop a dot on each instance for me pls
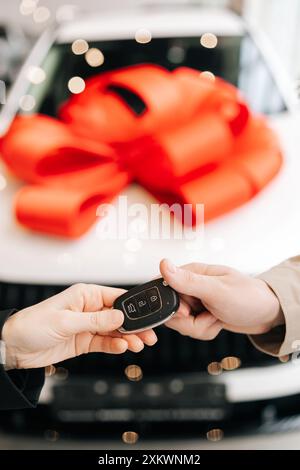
(77, 321)
(217, 297)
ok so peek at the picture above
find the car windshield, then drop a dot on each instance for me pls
(235, 59)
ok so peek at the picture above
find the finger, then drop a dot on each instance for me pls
(213, 331)
(184, 310)
(148, 337)
(208, 269)
(88, 297)
(94, 322)
(135, 344)
(188, 282)
(186, 325)
(110, 294)
(108, 344)
(193, 303)
(205, 326)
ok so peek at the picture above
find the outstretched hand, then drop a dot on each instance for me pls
(218, 297)
(77, 321)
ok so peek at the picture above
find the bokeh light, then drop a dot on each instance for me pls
(215, 435)
(134, 373)
(94, 57)
(79, 47)
(27, 102)
(27, 7)
(41, 14)
(209, 40)
(143, 36)
(76, 85)
(100, 387)
(176, 386)
(208, 75)
(230, 363)
(121, 390)
(130, 437)
(153, 389)
(176, 54)
(214, 368)
(36, 75)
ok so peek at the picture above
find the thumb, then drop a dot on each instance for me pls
(104, 321)
(187, 282)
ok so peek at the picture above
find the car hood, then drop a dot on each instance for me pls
(251, 238)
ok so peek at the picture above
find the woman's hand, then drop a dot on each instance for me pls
(77, 321)
(217, 297)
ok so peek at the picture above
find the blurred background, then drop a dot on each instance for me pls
(279, 21)
(183, 394)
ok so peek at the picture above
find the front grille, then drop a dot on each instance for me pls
(172, 353)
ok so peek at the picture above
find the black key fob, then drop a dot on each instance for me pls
(147, 306)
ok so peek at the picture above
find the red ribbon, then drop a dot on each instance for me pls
(185, 138)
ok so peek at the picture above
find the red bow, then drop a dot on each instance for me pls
(185, 138)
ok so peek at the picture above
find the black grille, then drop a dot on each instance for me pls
(172, 353)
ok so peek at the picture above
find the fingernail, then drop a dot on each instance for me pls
(152, 340)
(155, 338)
(140, 348)
(170, 266)
(117, 316)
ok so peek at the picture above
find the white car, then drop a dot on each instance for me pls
(176, 386)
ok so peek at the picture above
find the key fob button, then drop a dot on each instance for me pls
(142, 304)
(147, 306)
(154, 300)
(130, 308)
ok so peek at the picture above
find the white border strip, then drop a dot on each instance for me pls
(261, 383)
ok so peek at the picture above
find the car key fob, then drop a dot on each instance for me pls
(147, 306)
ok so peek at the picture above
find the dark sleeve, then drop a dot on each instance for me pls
(19, 388)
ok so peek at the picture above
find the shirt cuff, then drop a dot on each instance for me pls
(19, 388)
(282, 340)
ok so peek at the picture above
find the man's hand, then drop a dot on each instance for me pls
(217, 297)
(77, 321)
